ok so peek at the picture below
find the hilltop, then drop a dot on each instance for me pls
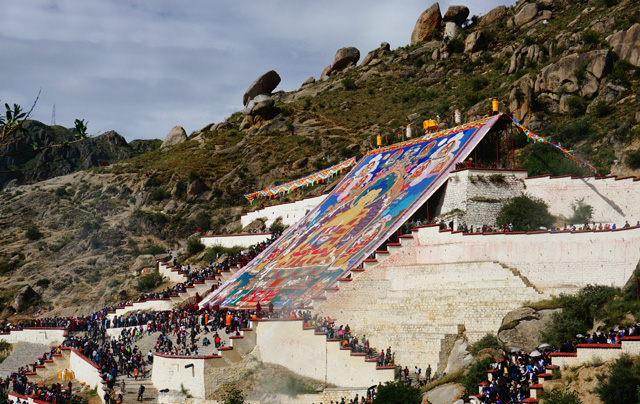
(563, 68)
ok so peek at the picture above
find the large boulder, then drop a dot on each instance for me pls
(627, 44)
(459, 357)
(450, 393)
(428, 21)
(528, 13)
(521, 98)
(344, 58)
(457, 14)
(522, 328)
(451, 31)
(25, 299)
(592, 66)
(475, 42)
(308, 82)
(496, 15)
(144, 261)
(263, 107)
(177, 135)
(376, 54)
(264, 84)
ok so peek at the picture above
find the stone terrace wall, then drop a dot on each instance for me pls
(285, 343)
(51, 336)
(479, 194)
(554, 262)
(614, 199)
(290, 212)
(232, 240)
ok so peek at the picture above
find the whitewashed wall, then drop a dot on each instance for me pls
(290, 212)
(50, 336)
(244, 240)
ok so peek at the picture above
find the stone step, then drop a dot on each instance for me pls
(23, 354)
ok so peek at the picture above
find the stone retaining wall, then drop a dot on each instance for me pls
(245, 240)
(50, 336)
(290, 212)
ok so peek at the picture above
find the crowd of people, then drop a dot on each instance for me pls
(513, 377)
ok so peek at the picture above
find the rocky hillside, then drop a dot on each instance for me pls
(567, 69)
(35, 166)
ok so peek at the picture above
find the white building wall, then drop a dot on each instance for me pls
(310, 355)
(554, 262)
(232, 240)
(290, 212)
(50, 336)
(85, 371)
(170, 373)
(614, 200)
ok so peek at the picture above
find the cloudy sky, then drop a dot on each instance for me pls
(140, 67)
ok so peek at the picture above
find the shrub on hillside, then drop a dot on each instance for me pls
(577, 106)
(540, 159)
(194, 246)
(349, 84)
(159, 194)
(488, 341)
(397, 393)
(633, 159)
(525, 213)
(149, 282)
(621, 383)
(203, 221)
(33, 233)
(564, 396)
(233, 396)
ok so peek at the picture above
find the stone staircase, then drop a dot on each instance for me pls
(176, 275)
(23, 354)
(131, 389)
(586, 353)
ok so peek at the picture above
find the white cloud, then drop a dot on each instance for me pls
(141, 67)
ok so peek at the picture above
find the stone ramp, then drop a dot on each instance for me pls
(23, 354)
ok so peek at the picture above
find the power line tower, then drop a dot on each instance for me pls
(53, 115)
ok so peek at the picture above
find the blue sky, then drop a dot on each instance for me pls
(140, 67)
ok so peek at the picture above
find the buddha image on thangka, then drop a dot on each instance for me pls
(354, 219)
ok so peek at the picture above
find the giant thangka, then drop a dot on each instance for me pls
(384, 189)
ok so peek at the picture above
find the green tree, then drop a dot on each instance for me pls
(582, 212)
(621, 383)
(477, 373)
(233, 396)
(525, 213)
(397, 393)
